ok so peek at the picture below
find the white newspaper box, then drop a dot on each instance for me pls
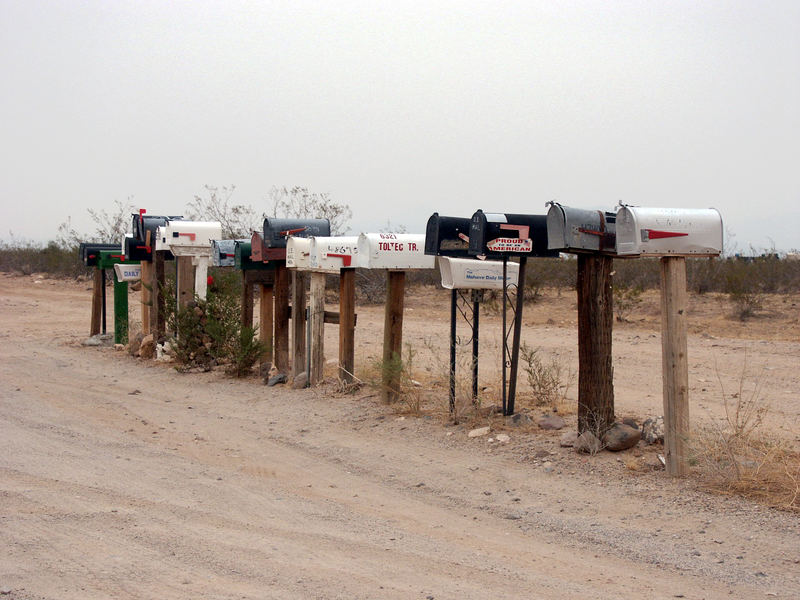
(126, 272)
(474, 274)
(298, 253)
(644, 231)
(330, 254)
(393, 251)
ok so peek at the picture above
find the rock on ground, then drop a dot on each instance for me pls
(478, 432)
(552, 422)
(568, 439)
(587, 443)
(147, 349)
(621, 437)
(653, 430)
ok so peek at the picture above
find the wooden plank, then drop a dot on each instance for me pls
(316, 303)
(298, 313)
(393, 335)
(97, 302)
(347, 324)
(595, 324)
(281, 295)
(265, 320)
(158, 324)
(146, 296)
(185, 281)
(675, 365)
(247, 299)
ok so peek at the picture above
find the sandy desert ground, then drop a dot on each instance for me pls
(121, 478)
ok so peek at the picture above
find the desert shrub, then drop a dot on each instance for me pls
(737, 456)
(549, 380)
(626, 298)
(210, 331)
(27, 257)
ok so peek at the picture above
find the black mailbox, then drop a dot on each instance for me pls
(143, 223)
(90, 252)
(138, 250)
(447, 236)
(580, 230)
(276, 231)
(502, 234)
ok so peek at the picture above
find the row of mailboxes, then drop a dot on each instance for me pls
(636, 231)
(390, 251)
(90, 252)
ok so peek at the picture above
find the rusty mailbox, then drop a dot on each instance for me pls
(447, 236)
(580, 230)
(500, 235)
(645, 231)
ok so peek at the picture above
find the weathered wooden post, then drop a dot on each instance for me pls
(97, 302)
(266, 321)
(393, 335)
(316, 303)
(298, 323)
(595, 326)
(675, 366)
(281, 296)
(347, 324)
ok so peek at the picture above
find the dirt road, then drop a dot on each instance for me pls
(124, 479)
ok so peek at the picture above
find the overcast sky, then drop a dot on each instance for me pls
(400, 109)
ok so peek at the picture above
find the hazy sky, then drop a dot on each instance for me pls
(400, 109)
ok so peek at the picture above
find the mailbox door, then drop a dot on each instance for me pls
(447, 236)
(503, 234)
(393, 251)
(330, 254)
(474, 274)
(580, 230)
(298, 252)
(128, 272)
(668, 231)
(277, 231)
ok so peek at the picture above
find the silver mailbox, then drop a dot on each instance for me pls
(580, 230)
(223, 252)
(648, 231)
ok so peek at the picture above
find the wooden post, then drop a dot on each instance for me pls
(393, 335)
(316, 302)
(247, 299)
(97, 302)
(675, 363)
(265, 319)
(298, 323)
(595, 323)
(158, 325)
(347, 324)
(185, 281)
(147, 297)
(281, 294)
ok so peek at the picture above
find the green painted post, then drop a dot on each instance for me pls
(120, 311)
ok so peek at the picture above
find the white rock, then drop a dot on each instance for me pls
(478, 432)
(503, 438)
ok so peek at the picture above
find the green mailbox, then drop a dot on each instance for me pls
(108, 260)
(243, 259)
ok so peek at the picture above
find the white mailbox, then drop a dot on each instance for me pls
(298, 252)
(648, 231)
(474, 274)
(330, 254)
(393, 251)
(127, 272)
(193, 235)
